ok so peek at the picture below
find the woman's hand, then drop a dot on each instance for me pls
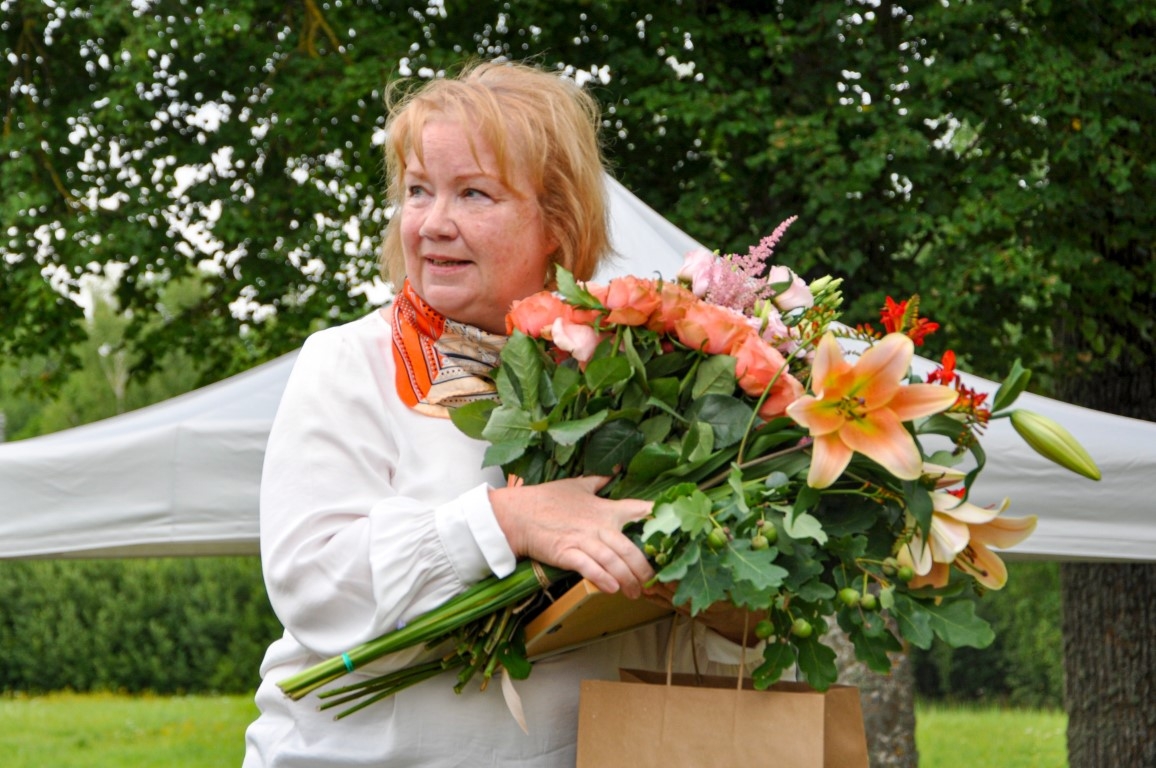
(565, 523)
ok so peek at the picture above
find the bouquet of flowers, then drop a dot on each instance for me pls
(791, 478)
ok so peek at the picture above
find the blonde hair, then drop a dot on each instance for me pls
(536, 122)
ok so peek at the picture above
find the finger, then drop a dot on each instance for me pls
(590, 569)
(624, 562)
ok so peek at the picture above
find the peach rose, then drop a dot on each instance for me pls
(712, 329)
(535, 313)
(756, 364)
(785, 391)
(673, 303)
(631, 300)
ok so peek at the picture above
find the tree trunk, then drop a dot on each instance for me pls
(1109, 610)
(888, 704)
(1110, 663)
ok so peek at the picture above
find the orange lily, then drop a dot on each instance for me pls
(861, 408)
(961, 533)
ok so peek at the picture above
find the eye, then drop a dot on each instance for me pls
(414, 190)
(473, 192)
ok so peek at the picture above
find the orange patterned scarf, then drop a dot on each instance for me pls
(441, 363)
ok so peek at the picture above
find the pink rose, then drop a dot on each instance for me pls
(578, 339)
(697, 268)
(796, 296)
(712, 329)
(631, 300)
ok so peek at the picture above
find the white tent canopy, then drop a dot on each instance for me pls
(181, 477)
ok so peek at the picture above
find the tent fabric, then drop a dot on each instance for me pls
(182, 477)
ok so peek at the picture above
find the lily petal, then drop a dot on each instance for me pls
(828, 360)
(964, 511)
(915, 401)
(819, 416)
(916, 555)
(937, 576)
(985, 565)
(829, 457)
(1004, 532)
(882, 437)
(948, 538)
(886, 362)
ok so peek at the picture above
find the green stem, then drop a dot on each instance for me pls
(480, 600)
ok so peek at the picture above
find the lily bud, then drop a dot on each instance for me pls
(943, 477)
(1053, 442)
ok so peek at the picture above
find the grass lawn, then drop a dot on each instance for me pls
(111, 731)
(949, 736)
(66, 730)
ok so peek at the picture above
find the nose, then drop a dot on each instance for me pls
(438, 222)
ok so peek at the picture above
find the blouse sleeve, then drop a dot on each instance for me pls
(346, 555)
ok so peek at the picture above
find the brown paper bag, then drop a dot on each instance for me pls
(703, 721)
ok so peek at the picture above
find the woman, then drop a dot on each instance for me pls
(374, 507)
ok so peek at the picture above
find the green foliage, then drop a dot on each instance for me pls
(991, 156)
(1024, 666)
(165, 626)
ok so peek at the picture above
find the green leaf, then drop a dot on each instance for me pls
(574, 293)
(778, 657)
(801, 525)
(701, 586)
(716, 375)
(651, 461)
(919, 504)
(570, 432)
(607, 373)
(728, 417)
(913, 620)
(754, 565)
(471, 418)
(956, 623)
(873, 648)
(611, 446)
(816, 662)
(693, 512)
(509, 424)
(665, 390)
(523, 363)
(1015, 383)
(663, 520)
(512, 656)
(501, 454)
(697, 443)
(678, 567)
(656, 428)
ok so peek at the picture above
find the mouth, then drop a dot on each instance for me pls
(442, 261)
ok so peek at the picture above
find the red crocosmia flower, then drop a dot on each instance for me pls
(945, 374)
(897, 316)
(892, 315)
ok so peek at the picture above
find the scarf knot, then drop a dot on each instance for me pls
(441, 364)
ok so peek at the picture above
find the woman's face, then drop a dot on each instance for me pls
(472, 244)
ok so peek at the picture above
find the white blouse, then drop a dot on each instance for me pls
(371, 515)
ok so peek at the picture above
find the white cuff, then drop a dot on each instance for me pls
(472, 538)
